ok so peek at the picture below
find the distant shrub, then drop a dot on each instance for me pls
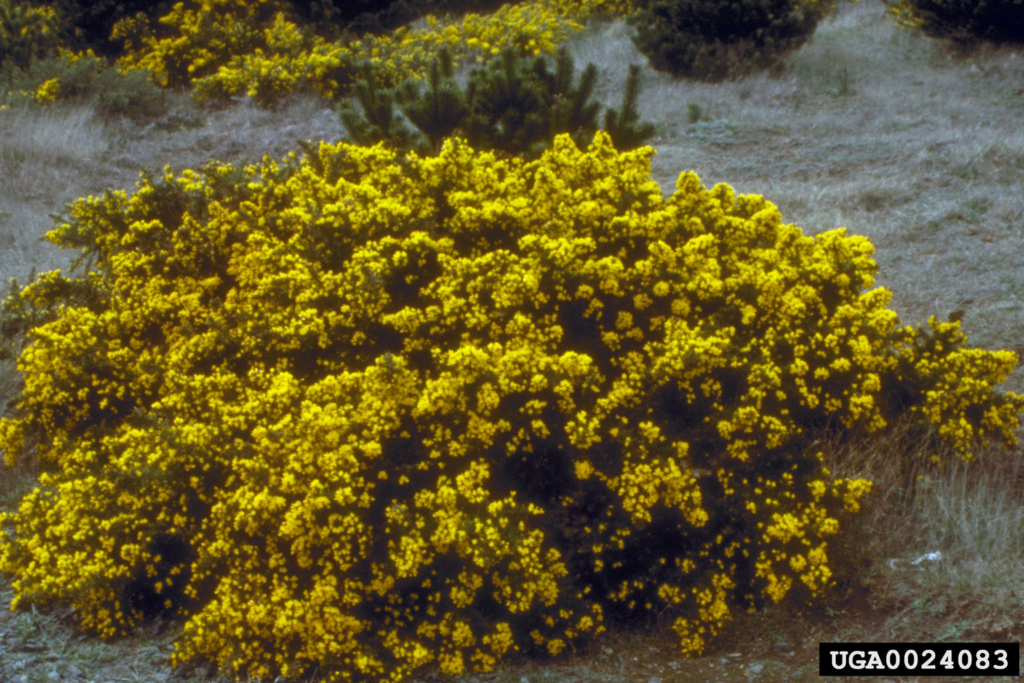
(227, 48)
(533, 27)
(88, 24)
(195, 38)
(716, 39)
(366, 411)
(964, 21)
(86, 78)
(513, 106)
(27, 33)
(623, 124)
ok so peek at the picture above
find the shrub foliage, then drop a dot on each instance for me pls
(27, 33)
(511, 106)
(366, 412)
(964, 21)
(716, 39)
(84, 77)
(229, 48)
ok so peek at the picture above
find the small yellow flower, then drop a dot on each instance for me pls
(46, 93)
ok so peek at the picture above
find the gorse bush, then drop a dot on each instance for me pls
(964, 21)
(227, 48)
(511, 106)
(268, 49)
(366, 411)
(27, 33)
(84, 77)
(716, 39)
(34, 67)
(532, 27)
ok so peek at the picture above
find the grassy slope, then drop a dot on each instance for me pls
(867, 127)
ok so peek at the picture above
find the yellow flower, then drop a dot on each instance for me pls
(46, 93)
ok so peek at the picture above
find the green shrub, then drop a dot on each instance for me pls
(964, 21)
(512, 106)
(368, 411)
(27, 33)
(713, 40)
(377, 120)
(232, 48)
(86, 78)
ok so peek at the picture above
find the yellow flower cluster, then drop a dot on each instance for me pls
(232, 48)
(365, 413)
(199, 37)
(952, 387)
(47, 91)
(534, 26)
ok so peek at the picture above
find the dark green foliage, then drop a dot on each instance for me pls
(439, 110)
(377, 121)
(25, 34)
(713, 40)
(624, 124)
(572, 110)
(506, 107)
(512, 106)
(966, 21)
(357, 17)
(88, 23)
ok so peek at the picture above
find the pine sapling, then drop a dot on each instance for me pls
(439, 110)
(507, 107)
(572, 110)
(377, 121)
(624, 124)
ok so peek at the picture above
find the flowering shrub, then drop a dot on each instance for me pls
(84, 77)
(534, 27)
(366, 413)
(198, 37)
(27, 33)
(230, 47)
(291, 59)
(965, 21)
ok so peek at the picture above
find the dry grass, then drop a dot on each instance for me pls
(872, 128)
(970, 514)
(49, 157)
(46, 159)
